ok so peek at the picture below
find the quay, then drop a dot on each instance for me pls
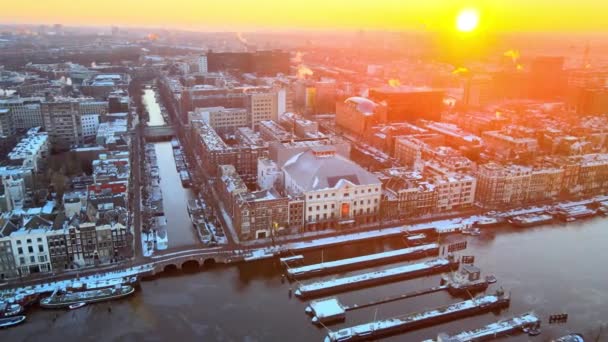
(376, 277)
(363, 261)
(390, 326)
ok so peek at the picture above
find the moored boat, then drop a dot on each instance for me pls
(530, 220)
(8, 309)
(489, 221)
(58, 301)
(11, 321)
(575, 213)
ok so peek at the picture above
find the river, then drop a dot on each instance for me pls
(557, 268)
(175, 197)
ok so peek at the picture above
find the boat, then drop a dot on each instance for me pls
(11, 321)
(8, 309)
(415, 239)
(530, 220)
(575, 213)
(65, 300)
(488, 221)
(77, 305)
(471, 231)
(570, 338)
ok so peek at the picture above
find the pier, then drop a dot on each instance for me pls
(376, 277)
(363, 261)
(389, 326)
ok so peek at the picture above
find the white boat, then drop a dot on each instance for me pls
(77, 305)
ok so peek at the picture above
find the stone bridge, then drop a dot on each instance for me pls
(159, 133)
(193, 258)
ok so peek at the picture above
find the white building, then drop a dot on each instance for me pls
(337, 191)
(30, 250)
(221, 118)
(14, 192)
(269, 174)
(89, 124)
(32, 151)
(202, 64)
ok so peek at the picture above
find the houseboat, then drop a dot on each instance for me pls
(60, 301)
(530, 220)
(574, 213)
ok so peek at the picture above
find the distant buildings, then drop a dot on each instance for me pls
(357, 115)
(409, 104)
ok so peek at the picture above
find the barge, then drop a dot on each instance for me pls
(391, 326)
(376, 277)
(60, 301)
(491, 331)
(574, 213)
(530, 220)
(467, 280)
(363, 261)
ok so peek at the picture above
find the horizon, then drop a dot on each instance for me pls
(338, 15)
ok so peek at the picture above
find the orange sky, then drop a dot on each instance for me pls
(435, 15)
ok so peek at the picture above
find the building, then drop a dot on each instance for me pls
(222, 119)
(271, 131)
(30, 249)
(8, 268)
(510, 142)
(62, 121)
(282, 151)
(337, 192)
(14, 192)
(32, 151)
(203, 67)
(7, 128)
(499, 185)
(263, 106)
(406, 193)
(213, 151)
(260, 214)
(357, 115)
(24, 112)
(409, 103)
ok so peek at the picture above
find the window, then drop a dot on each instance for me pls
(18, 242)
(318, 207)
(42, 258)
(39, 239)
(19, 250)
(325, 206)
(21, 260)
(30, 249)
(40, 248)
(32, 259)
(29, 240)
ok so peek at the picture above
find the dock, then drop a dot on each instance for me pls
(363, 261)
(294, 259)
(501, 328)
(376, 277)
(390, 326)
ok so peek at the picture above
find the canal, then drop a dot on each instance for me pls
(559, 268)
(175, 197)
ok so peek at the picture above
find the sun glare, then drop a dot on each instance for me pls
(467, 20)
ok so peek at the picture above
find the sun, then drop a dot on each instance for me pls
(467, 20)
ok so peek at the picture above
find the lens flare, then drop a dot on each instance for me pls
(467, 20)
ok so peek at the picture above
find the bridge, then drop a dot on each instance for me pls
(159, 133)
(194, 258)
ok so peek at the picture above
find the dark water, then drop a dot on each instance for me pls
(175, 197)
(552, 269)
